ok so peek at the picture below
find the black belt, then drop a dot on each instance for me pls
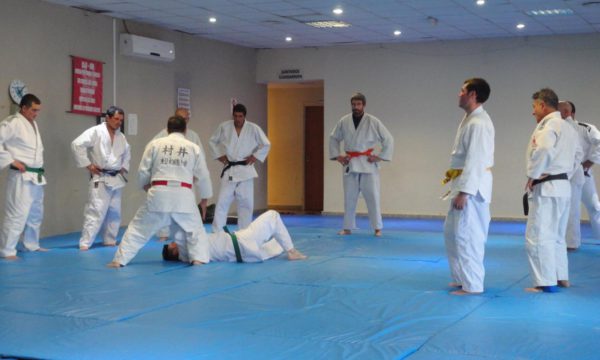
(236, 246)
(562, 176)
(230, 164)
(110, 172)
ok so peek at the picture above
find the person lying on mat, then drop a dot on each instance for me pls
(265, 238)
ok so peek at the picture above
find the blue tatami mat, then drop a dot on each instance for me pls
(356, 297)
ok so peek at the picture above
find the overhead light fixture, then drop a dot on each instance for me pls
(549, 12)
(212, 19)
(397, 33)
(288, 39)
(328, 24)
(520, 26)
(480, 2)
(338, 11)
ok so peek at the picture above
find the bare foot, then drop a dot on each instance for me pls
(41, 249)
(536, 289)
(196, 262)
(110, 244)
(294, 254)
(114, 264)
(83, 248)
(454, 284)
(571, 249)
(378, 232)
(462, 292)
(563, 283)
(163, 238)
(344, 232)
(11, 258)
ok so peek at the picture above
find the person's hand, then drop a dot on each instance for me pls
(460, 201)
(587, 165)
(344, 160)
(147, 187)
(250, 160)
(223, 159)
(123, 171)
(373, 158)
(19, 165)
(529, 185)
(202, 205)
(93, 169)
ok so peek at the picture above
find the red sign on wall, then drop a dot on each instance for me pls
(87, 86)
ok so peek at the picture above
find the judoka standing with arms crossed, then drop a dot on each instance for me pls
(360, 132)
(168, 168)
(468, 219)
(550, 161)
(104, 151)
(238, 144)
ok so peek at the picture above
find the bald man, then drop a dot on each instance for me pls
(163, 234)
(583, 186)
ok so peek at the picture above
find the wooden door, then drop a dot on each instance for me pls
(313, 158)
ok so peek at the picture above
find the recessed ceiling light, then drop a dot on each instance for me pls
(480, 2)
(520, 26)
(338, 11)
(397, 33)
(549, 12)
(328, 24)
(212, 19)
(288, 39)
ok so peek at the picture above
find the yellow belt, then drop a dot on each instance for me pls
(454, 173)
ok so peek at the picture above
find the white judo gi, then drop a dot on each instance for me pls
(238, 181)
(103, 209)
(466, 230)
(265, 238)
(24, 206)
(192, 136)
(170, 164)
(583, 187)
(361, 175)
(551, 151)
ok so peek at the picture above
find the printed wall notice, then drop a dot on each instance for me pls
(87, 86)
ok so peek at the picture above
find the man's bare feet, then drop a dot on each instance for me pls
(344, 232)
(197, 262)
(41, 249)
(83, 248)
(563, 283)
(454, 284)
(11, 258)
(163, 238)
(462, 292)
(535, 289)
(571, 249)
(378, 232)
(114, 264)
(294, 254)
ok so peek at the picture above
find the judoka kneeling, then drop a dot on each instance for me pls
(265, 238)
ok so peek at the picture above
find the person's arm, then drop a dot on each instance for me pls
(387, 144)
(80, 147)
(541, 157)
(262, 149)
(7, 133)
(335, 139)
(215, 145)
(145, 168)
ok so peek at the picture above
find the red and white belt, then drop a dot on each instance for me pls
(171, 183)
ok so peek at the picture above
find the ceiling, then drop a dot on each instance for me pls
(266, 23)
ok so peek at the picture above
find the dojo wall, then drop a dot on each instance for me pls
(413, 88)
(36, 43)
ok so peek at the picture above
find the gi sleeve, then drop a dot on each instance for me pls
(126, 157)
(387, 142)
(215, 142)
(335, 139)
(145, 168)
(202, 176)
(6, 133)
(263, 144)
(593, 137)
(472, 172)
(542, 155)
(80, 145)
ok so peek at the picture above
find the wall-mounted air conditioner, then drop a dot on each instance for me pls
(143, 47)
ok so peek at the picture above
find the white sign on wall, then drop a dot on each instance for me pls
(184, 99)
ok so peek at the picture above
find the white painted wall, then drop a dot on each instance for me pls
(413, 89)
(38, 39)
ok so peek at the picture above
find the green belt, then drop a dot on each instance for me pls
(236, 246)
(39, 171)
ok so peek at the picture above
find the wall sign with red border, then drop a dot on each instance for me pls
(87, 86)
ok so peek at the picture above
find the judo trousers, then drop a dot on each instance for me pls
(368, 185)
(102, 211)
(262, 230)
(465, 235)
(240, 191)
(545, 238)
(589, 197)
(24, 211)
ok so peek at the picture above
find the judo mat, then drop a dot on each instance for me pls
(356, 297)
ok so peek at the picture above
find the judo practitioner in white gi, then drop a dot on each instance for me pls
(468, 219)
(360, 132)
(22, 150)
(238, 144)
(550, 160)
(583, 186)
(191, 135)
(265, 238)
(167, 170)
(105, 153)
